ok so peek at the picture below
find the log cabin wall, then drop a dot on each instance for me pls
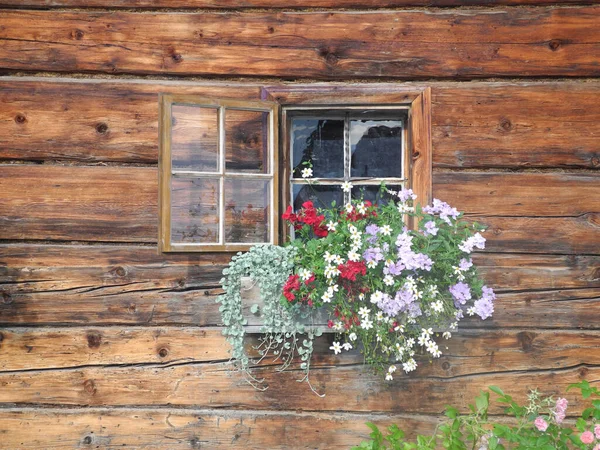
(106, 343)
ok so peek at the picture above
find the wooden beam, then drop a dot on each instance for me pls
(525, 42)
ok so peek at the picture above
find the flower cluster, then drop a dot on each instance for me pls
(391, 286)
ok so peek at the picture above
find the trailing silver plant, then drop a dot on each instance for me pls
(283, 335)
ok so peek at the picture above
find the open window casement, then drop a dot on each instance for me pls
(217, 174)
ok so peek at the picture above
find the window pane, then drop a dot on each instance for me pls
(320, 141)
(194, 138)
(376, 147)
(247, 210)
(195, 210)
(373, 194)
(246, 142)
(320, 195)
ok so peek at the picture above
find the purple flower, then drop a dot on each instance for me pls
(406, 194)
(461, 293)
(465, 264)
(443, 209)
(484, 308)
(488, 293)
(373, 254)
(414, 310)
(393, 268)
(469, 244)
(430, 229)
(372, 229)
(390, 306)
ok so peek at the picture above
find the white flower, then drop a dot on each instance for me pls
(337, 259)
(388, 377)
(447, 335)
(347, 346)
(361, 208)
(364, 312)
(305, 274)
(410, 342)
(352, 229)
(436, 354)
(353, 256)
(423, 339)
(437, 306)
(338, 326)
(379, 316)
(427, 331)
(392, 369)
(361, 296)
(349, 208)
(307, 172)
(432, 347)
(376, 297)
(331, 271)
(331, 226)
(371, 264)
(333, 288)
(388, 280)
(346, 186)
(328, 257)
(409, 365)
(327, 296)
(386, 230)
(471, 311)
(336, 347)
(366, 324)
(352, 336)
(404, 208)
(433, 290)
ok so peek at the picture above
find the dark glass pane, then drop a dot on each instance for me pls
(247, 210)
(320, 195)
(376, 147)
(194, 138)
(373, 193)
(246, 141)
(320, 141)
(195, 210)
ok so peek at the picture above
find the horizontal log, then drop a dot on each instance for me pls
(74, 284)
(347, 388)
(519, 194)
(516, 125)
(96, 203)
(50, 428)
(275, 4)
(469, 352)
(476, 125)
(523, 42)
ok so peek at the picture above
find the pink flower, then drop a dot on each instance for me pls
(541, 424)
(596, 447)
(597, 431)
(587, 437)
(560, 411)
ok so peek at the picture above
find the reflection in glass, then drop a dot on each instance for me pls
(320, 195)
(195, 210)
(246, 143)
(376, 147)
(373, 193)
(321, 142)
(247, 210)
(194, 138)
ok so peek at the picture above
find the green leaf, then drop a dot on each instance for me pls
(497, 390)
(254, 309)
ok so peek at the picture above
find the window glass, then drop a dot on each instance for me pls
(319, 141)
(376, 147)
(246, 146)
(247, 210)
(194, 138)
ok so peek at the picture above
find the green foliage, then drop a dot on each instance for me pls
(537, 425)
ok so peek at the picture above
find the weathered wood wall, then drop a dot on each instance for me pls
(105, 343)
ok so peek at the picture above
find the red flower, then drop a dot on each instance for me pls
(292, 284)
(330, 323)
(310, 280)
(351, 269)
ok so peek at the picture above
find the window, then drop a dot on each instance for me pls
(225, 178)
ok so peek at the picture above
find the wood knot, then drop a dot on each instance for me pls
(120, 271)
(87, 440)
(20, 119)
(331, 59)
(595, 161)
(132, 308)
(206, 293)
(195, 443)
(101, 128)
(554, 44)
(445, 365)
(416, 155)
(175, 56)
(90, 387)
(271, 30)
(163, 352)
(505, 124)
(77, 34)
(94, 338)
(526, 338)
(6, 298)
(181, 283)
(583, 371)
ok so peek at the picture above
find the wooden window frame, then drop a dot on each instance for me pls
(165, 171)
(418, 154)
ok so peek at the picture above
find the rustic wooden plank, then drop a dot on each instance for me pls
(516, 125)
(476, 125)
(51, 428)
(468, 352)
(91, 120)
(347, 388)
(519, 194)
(75, 284)
(523, 42)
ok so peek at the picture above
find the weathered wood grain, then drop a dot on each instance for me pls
(521, 42)
(52, 428)
(275, 4)
(75, 284)
(551, 124)
(347, 388)
(95, 203)
(519, 194)
(468, 352)
(516, 125)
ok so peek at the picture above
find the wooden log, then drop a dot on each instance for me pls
(526, 42)
(51, 428)
(101, 284)
(347, 388)
(516, 125)
(469, 352)
(477, 125)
